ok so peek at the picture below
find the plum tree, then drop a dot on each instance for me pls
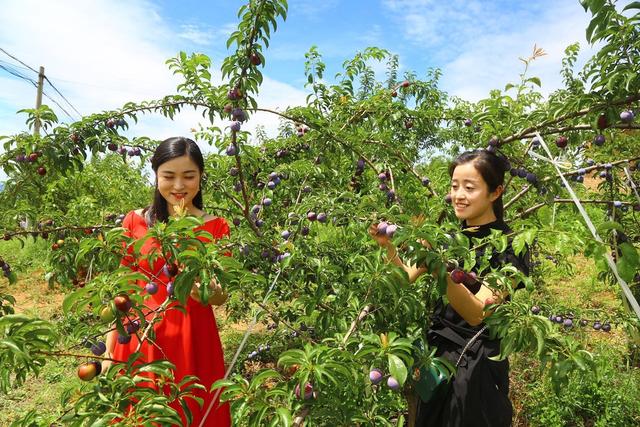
(302, 204)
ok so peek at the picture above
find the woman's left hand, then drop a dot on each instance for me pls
(217, 295)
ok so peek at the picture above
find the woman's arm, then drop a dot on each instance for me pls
(392, 255)
(469, 306)
(412, 270)
(111, 345)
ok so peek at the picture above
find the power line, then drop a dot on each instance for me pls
(12, 64)
(13, 57)
(18, 74)
(63, 97)
(61, 107)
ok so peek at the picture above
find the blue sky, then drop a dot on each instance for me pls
(103, 53)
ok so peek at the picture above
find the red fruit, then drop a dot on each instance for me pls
(74, 137)
(458, 276)
(405, 84)
(602, 122)
(33, 157)
(255, 59)
(88, 371)
(308, 391)
(172, 269)
(562, 141)
(394, 93)
(470, 279)
(42, 171)
(448, 198)
(55, 246)
(122, 302)
(408, 124)
(227, 108)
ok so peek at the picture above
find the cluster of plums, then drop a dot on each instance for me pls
(385, 228)
(122, 150)
(568, 320)
(460, 276)
(384, 177)
(301, 130)
(523, 173)
(255, 354)
(376, 376)
(32, 158)
(112, 122)
(6, 268)
(116, 218)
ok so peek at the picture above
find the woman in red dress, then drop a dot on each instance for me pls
(189, 340)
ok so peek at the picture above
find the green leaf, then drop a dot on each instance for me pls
(633, 5)
(397, 368)
(535, 80)
(284, 417)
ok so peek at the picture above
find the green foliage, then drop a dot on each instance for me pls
(601, 397)
(24, 343)
(356, 154)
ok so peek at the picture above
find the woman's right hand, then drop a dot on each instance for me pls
(380, 238)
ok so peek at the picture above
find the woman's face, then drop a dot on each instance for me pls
(470, 195)
(179, 179)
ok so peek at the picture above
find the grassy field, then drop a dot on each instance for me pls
(609, 398)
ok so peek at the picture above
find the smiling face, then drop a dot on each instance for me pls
(179, 179)
(470, 195)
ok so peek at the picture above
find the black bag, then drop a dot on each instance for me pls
(434, 380)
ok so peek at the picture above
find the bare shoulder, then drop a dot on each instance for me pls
(208, 217)
(139, 211)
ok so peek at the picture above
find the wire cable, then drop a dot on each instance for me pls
(18, 74)
(16, 59)
(15, 73)
(61, 107)
(63, 97)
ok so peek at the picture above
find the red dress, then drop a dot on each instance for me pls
(188, 340)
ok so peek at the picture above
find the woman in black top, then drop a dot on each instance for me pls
(479, 392)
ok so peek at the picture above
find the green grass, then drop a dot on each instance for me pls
(24, 259)
(605, 397)
(40, 393)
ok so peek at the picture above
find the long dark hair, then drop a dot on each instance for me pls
(169, 149)
(492, 169)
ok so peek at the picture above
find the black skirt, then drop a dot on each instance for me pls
(478, 394)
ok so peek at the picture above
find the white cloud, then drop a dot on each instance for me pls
(102, 54)
(477, 44)
(491, 61)
(195, 34)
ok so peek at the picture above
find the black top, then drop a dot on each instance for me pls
(478, 393)
(521, 262)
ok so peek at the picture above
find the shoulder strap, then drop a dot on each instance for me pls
(471, 341)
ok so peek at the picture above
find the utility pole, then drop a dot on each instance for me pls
(36, 125)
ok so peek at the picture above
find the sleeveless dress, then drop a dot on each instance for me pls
(188, 340)
(478, 395)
